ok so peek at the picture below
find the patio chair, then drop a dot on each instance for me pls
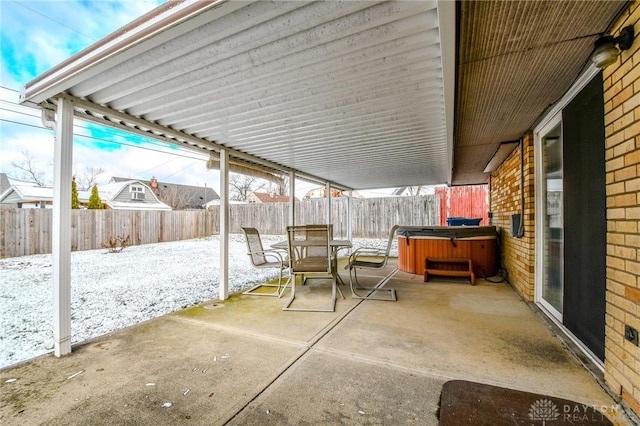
(315, 231)
(310, 253)
(261, 258)
(371, 258)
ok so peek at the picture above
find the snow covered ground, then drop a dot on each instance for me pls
(110, 291)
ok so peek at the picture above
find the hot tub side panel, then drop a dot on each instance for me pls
(483, 253)
(406, 255)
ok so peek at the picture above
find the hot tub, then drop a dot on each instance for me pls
(478, 243)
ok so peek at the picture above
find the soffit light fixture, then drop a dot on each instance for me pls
(605, 51)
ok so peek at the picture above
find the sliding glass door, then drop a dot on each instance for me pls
(550, 293)
(571, 222)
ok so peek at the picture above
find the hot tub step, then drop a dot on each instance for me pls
(430, 262)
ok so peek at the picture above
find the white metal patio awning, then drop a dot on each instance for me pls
(359, 94)
(356, 94)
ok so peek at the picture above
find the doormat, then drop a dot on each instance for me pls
(467, 403)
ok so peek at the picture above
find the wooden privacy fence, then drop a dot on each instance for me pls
(28, 231)
(371, 217)
(471, 201)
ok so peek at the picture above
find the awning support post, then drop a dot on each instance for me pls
(61, 235)
(292, 196)
(224, 224)
(349, 215)
(327, 203)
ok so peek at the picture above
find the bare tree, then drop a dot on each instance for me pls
(89, 177)
(173, 197)
(242, 186)
(282, 189)
(27, 170)
(415, 190)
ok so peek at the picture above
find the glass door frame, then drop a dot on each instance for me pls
(549, 122)
(540, 202)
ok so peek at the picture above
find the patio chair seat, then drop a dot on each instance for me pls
(311, 264)
(371, 264)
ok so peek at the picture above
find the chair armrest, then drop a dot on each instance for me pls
(271, 253)
(365, 252)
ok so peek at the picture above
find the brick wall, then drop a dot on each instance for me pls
(622, 148)
(516, 254)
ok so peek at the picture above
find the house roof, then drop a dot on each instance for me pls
(109, 195)
(272, 198)
(321, 192)
(33, 194)
(190, 196)
(4, 182)
(359, 94)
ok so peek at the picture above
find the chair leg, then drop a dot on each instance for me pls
(372, 292)
(280, 289)
(335, 282)
(332, 306)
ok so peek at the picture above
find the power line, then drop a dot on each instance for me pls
(17, 111)
(159, 165)
(56, 21)
(102, 129)
(184, 168)
(9, 88)
(23, 124)
(109, 141)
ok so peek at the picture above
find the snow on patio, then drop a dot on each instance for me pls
(110, 291)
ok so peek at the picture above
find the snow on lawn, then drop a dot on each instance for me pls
(110, 291)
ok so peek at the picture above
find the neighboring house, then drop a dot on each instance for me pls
(321, 192)
(409, 191)
(177, 196)
(129, 195)
(216, 202)
(29, 196)
(264, 197)
(4, 182)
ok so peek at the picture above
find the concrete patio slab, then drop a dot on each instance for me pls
(245, 361)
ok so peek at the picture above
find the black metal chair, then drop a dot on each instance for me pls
(371, 258)
(261, 258)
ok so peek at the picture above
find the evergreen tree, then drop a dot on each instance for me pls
(75, 203)
(94, 200)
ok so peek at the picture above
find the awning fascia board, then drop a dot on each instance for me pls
(102, 115)
(448, 42)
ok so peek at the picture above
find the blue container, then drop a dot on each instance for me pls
(463, 221)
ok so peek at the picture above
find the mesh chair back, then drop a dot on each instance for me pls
(317, 232)
(254, 247)
(392, 238)
(309, 248)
